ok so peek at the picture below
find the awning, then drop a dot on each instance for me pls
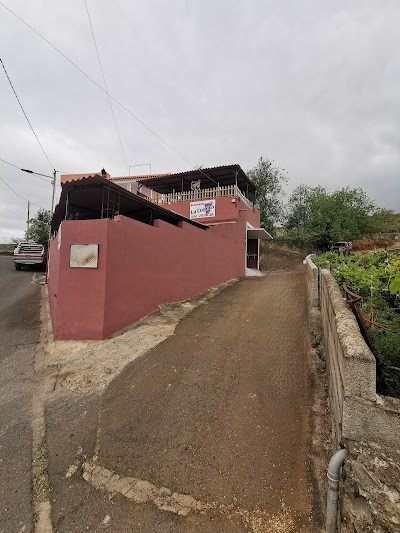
(258, 233)
(95, 197)
(209, 177)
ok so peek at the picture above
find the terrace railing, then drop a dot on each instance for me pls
(226, 191)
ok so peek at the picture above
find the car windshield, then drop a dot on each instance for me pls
(340, 244)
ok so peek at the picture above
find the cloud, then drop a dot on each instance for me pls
(312, 85)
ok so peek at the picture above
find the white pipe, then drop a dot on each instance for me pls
(335, 464)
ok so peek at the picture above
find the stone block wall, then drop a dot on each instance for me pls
(367, 424)
(312, 281)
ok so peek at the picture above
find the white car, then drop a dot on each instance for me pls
(29, 253)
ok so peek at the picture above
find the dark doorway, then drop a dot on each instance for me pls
(252, 253)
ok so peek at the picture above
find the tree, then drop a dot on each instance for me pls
(318, 217)
(387, 221)
(39, 227)
(269, 180)
(299, 207)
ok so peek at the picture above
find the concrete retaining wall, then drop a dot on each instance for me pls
(312, 281)
(358, 413)
(366, 423)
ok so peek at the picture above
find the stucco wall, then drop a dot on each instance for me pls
(225, 210)
(77, 295)
(164, 263)
(140, 267)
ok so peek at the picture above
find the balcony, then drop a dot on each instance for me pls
(227, 191)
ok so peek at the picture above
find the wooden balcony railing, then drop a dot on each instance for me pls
(227, 191)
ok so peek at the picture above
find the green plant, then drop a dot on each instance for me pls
(376, 278)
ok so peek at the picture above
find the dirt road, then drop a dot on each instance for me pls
(220, 411)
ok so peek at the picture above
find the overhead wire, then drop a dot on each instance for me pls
(15, 192)
(99, 86)
(22, 170)
(15, 213)
(25, 115)
(105, 84)
(150, 130)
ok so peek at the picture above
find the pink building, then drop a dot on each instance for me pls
(122, 246)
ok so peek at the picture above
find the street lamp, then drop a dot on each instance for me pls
(53, 182)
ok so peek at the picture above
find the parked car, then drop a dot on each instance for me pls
(29, 253)
(342, 248)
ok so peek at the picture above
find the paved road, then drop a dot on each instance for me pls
(19, 334)
(221, 410)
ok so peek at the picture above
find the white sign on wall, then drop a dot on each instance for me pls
(202, 209)
(84, 256)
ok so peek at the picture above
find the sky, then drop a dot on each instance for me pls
(312, 85)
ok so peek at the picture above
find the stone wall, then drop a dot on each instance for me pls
(367, 424)
(312, 281)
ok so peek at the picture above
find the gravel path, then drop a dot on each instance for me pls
(220, 411)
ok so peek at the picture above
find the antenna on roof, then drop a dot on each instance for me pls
(139, 165)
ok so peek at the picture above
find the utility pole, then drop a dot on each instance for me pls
(53, 182)
(52, 199)
(27, 229)
(54, 189)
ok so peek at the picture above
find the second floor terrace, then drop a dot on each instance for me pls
(194, 185)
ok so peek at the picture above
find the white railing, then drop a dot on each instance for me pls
(226, 191)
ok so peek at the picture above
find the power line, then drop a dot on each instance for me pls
(99, 86)
(11, 164)
(25, 115)
(15, 192)
(35, 174)
(12, 211)
(105, 84)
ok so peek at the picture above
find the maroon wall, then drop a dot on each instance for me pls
(140, 267)
(77, 295)
(225, 211)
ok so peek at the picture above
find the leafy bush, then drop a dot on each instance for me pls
(376, 278)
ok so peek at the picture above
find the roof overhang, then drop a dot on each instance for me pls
(209, 178)
(258, 233)
(95, 197)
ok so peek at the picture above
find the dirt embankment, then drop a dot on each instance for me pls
(278, 257)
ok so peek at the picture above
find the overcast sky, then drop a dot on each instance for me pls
(314, 85)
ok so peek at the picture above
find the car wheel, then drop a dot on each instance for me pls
(18, 267)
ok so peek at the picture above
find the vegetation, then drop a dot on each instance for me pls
(387, 220)
(269, 180)
(316, 217)
(39, 227)
(376, 278)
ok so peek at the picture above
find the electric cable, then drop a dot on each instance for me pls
(98, 85)
(105, 91)
(35, 174)
(105, 84)
(25, 115)
(8, 163)
(14, 213)
(22, 198)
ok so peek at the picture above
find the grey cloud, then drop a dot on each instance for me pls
(313, 85)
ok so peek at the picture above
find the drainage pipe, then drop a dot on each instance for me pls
(335, 464)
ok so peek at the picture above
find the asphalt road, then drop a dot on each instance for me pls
(19, 334)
